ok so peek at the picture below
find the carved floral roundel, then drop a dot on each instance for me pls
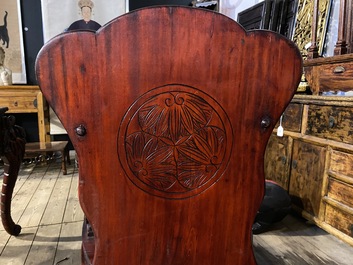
(174, 142)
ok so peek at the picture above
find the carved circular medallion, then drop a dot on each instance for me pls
(174, 142)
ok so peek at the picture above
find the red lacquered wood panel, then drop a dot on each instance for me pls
(169, 110)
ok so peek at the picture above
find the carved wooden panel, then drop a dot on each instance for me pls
(174, 142)
(304, 23)
(169, 110)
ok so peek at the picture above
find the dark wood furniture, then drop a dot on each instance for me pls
(169, 110)
(12, 147)
(37, 149)
(275, 15)
(255, 17)
(29, 99)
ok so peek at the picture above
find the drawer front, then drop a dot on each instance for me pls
(331, 122)
(292, 117)
(19, 103)
(341, 192)
(337, 76)
(342, 163)
(339, 220)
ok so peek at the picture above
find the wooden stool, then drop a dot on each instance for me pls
(44, 147)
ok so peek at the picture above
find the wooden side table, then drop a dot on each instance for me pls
(45, 147)
(27, 99)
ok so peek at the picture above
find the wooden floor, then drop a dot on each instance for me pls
(45, 204)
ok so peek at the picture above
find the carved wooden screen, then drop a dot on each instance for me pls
(169, 110)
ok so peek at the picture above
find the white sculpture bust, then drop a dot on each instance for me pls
(5, 73)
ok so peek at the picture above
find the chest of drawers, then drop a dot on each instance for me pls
(314, 161)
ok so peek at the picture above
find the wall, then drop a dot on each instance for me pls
(231, 8)
(33, 28)
(32, 34)
(33, 39)
(33, 42)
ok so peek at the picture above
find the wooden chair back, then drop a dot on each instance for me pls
(169, 110)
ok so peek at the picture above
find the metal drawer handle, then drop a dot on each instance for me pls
(294, 164)
(339, 70)
(283, 160)
(331, 122)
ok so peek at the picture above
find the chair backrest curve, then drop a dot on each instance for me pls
(169, 110)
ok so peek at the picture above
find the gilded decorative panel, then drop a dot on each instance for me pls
(303, 26)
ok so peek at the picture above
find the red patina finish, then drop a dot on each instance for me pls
(169, 110)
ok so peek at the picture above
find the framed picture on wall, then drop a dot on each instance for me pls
(11, 39)
(65, 15)
(58, 16)
(302, 36)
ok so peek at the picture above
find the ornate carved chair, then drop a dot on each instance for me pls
(169, 110)
(12, 149)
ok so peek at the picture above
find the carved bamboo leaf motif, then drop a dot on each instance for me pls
(175, 147)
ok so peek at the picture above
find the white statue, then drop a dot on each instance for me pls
(5, 73)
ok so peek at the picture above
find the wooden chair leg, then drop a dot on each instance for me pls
(63, 161)
(12, 149)
(88, 243)
(10, 177)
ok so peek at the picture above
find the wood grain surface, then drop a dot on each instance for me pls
(169, 110)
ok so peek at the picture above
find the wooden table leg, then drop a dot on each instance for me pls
(63, 161)
(12, 149)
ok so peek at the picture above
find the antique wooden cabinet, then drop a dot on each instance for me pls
(314, 161)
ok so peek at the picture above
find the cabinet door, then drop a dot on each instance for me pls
(308, 164)
(277, 159)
